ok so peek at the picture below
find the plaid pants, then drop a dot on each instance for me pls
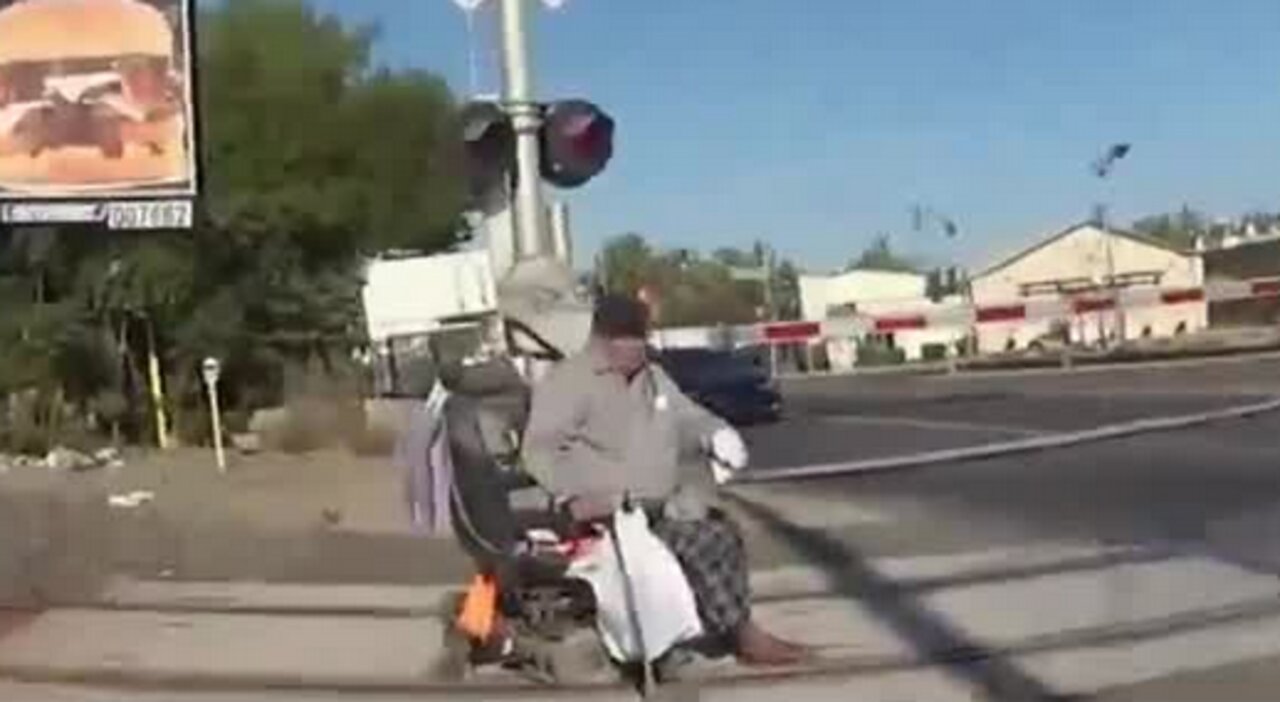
(715, 562)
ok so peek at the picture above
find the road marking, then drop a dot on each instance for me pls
(998, 449)
(939, 371)
(827, 511)
(917, 423)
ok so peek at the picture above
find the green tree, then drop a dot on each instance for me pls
(1177, 229)
(697, 290)
(786, 290)
(880, 256)
(784, 278)
(1262, 222)
(738, 258)
(702, 292)
(627, 262)
(49, 356)
(313, 158)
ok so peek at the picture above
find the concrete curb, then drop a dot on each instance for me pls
(428, 601)
(390, 602)
(1007, 448)
(1087, 637)
(301, 599)
(189, 681)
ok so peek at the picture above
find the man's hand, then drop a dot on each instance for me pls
(728, 454)
(728, 448)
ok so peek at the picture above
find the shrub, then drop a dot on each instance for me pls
(880, 355)
(934, 352)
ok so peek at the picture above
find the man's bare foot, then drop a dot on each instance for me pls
(757, 647)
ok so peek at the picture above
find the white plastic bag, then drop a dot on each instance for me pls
(667, 610)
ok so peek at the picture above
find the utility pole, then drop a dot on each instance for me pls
(1102, 169)
(526, 119)
(971, 345)
(764, 273)
(920, 216)
(1100, 216)
(527, 144)
(771, 305)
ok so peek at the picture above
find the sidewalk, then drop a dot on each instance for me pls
(1066, 618)
(386, 600)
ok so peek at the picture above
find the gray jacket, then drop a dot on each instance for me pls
(592, 432)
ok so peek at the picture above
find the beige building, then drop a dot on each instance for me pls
(872, 293)
(1084, 262)
(821, 296)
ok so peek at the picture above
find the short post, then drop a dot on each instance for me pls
(211, 369)
(155, 383)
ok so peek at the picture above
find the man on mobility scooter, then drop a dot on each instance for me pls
(605, 427)
(606, 424)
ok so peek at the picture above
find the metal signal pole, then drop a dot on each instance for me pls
(1102, 168)
(526, 119)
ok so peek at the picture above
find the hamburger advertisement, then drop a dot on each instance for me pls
(95, 99)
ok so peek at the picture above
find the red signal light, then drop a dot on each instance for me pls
(577, 142)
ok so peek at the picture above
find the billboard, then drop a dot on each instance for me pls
(97, 121)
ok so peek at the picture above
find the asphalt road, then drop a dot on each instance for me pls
(935, 510)
(827, 429)
(832, 419)
(1205, 487)
(1213, 490)
(1195, 487)
(1240, 375)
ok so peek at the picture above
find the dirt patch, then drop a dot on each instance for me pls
(327, 516)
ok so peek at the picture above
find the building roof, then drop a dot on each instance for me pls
(1053, 239)
(863, 272)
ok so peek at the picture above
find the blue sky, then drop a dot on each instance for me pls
(817, 124)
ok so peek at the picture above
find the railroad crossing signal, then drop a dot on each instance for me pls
(577, 142)
(1102, 167)
(576, 138)
(490, 145)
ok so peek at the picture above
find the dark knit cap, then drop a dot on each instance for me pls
(620, 317)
